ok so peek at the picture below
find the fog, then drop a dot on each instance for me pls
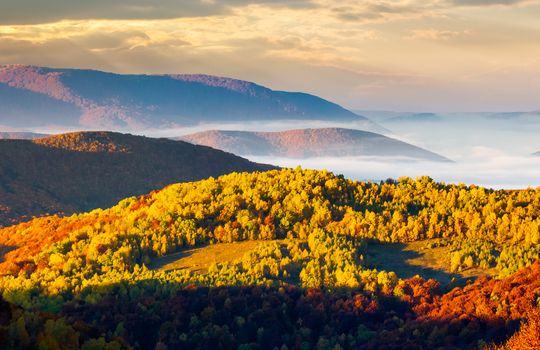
(277, 125)
(456, 135)
(499, 172)
(491, 150)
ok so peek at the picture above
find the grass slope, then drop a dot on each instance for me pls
(201, 258)
(420, 258)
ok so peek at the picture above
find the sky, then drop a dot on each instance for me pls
(403, 55)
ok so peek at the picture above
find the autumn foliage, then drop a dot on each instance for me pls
(87, 276)
(81, 171)
(528, 337)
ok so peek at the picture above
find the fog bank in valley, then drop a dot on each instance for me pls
(488, 149)
(499, 171)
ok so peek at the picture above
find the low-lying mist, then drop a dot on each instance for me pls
(498, 172)
(258, 125)
(487, 150)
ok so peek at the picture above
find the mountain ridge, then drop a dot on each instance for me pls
(96, 99)
(307, 143)
(72, 172)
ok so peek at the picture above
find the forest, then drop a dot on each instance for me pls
(79, 171)
(87, 280)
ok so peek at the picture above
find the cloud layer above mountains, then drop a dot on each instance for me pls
(37, 11)
(404, 54)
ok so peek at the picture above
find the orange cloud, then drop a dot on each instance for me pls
(353, 52)
(435, 34)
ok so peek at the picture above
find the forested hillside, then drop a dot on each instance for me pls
(85, 279)
(86, 170)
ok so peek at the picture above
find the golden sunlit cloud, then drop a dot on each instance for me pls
(364, 54)
(434, 34)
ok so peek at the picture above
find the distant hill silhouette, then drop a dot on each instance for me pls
(305, 143)
(534, 115)
(34, 96)
(20, 135)
(416, 117)
(85, 170)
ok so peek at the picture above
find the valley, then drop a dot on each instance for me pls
(119, 241)
(269, 175)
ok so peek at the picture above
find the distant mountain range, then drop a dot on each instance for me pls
(390, 118)
(306, 143)
(416, 117)
(33, 97)
(15, 135)
(81, 171)
(534, 115)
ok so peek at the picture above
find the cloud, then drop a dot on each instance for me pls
(376, 10)
(435, 34)
(356, 53)
(491, 2)
(501, 172)
(40, 11)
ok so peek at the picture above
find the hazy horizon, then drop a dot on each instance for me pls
(480, 158)
(467, 62)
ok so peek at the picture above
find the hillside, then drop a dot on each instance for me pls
(81, 171)
(306, 143)
(35, 97)
(309, 283)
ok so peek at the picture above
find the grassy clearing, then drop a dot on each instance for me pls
(406, 260)
(199, 259)
(415, 258)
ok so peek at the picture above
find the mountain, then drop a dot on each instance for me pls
(19, 135)
(36, 97)
(85, 170)
(22, 107)
(306, 143)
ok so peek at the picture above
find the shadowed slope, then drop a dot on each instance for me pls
(82, 171)
(528, 336)
(99, 99)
